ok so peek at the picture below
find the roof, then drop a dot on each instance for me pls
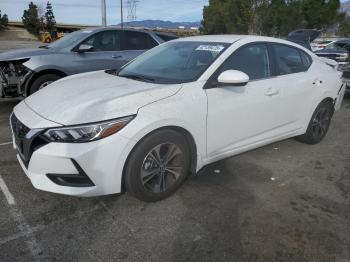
(234, 38)
(143, 30)
(102, 28)
(229, 38)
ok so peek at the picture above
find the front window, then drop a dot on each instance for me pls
(70, 39)
(104, 41)
(252, 59)
(174, 62)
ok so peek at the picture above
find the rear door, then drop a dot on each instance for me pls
(106, 53)
(298, 83)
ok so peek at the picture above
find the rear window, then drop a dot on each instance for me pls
(134, 40)
(290, 60)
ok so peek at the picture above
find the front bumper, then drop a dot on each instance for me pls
(102, 162)
(77, 169)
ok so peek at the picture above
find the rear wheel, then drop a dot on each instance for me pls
(319, 124)
(43, 81)
(157, 166)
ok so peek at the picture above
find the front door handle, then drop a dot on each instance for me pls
(271, 92)
(116, 56)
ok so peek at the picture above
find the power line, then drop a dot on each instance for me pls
(132, 6)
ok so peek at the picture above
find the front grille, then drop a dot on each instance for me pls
(19, 131)
(27, 140)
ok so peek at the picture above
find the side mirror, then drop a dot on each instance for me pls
(233, 78)
(85, 48)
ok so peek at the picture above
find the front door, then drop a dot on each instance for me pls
(106, 53)
(241, 116)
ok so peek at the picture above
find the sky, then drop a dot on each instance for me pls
(89, 11)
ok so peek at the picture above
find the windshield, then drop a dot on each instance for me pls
(174, 62)
(70, 39)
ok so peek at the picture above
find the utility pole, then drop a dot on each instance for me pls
(121, 13)
(103, 10)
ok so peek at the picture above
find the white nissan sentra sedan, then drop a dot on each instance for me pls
(171, 111)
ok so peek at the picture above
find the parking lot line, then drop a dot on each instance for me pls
(21, 222)
(9, 197)
(6, 143)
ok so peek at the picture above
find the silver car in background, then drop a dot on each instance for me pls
(25, 71)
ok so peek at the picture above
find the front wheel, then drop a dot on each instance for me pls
(157, 166)
(43, 81)
(319, 124)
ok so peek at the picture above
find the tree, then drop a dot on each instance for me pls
(50, 18)
(213, 21)
(319, 14)
(268, 17)
(228, 16)
(279, 17)
(31, 19)
(3, 20)
(343, 25)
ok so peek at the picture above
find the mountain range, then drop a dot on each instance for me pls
(161, 23)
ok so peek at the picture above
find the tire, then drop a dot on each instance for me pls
(319, 124)
(41, 81)
(149, 175)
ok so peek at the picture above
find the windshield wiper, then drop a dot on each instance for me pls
(44, 46)
(139, 77)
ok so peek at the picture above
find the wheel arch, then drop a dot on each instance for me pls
(328, 99)
(189, 138)
(36, 75)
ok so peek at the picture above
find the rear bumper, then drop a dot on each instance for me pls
(340, 97)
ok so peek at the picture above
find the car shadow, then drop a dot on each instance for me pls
(215, 200)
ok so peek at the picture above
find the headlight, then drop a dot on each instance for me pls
(88, 132)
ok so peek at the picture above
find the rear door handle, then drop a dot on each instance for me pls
(317, 82)
(116, 56)
(271, 92)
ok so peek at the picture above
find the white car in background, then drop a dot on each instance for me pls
(171, 111)
(316, 46)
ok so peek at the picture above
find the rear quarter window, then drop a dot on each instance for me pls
(134, 40)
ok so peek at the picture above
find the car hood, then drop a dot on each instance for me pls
(23, 53)
(93, 97)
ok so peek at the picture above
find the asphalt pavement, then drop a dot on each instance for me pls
(284, 202)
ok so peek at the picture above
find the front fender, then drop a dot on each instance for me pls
(41, 63)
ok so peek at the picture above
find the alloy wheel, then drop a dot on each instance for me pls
(162, 167)
(45, 84)
(321, 122)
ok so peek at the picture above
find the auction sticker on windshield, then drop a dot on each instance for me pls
(211, 48)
